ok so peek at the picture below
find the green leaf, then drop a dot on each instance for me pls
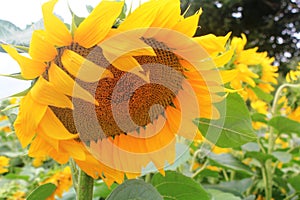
(283, 157)
(17, 176)
(237, 188)
(259, 156)
(135, 190)
(101, 189)
(262, 95)
(15, 75)
(228, 161)
(259, 117)
(89, 8)
(251, 146)
(175, 186)
(219, 195)
(234, 127)
(42, 192)
(21, 94)
(285, 125)
(294, 181)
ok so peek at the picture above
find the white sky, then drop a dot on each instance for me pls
(24, 12)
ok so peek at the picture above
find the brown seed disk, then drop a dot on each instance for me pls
(126, 102)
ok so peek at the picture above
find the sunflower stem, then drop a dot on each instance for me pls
(74, 171)
(268, 169)
(85, 186)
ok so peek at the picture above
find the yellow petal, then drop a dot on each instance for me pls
(228, 75)
(115, 46)
(224, 58)
(65, 84)
(45, 93)
(169, 14)
(83, 69)
(53, 127)
(40, 49)
(73, 148)
(189, 25)
(163, 13)
(96, 26)
(57, 32)
(129, 64)
(142, 17)
(28, 119)
(30, 69)
(40, 147)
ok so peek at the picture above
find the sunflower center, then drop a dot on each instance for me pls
(126, 102)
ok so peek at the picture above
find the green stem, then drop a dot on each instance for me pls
(85, 186)
(201, 169)
(268, 169)
(74, 171)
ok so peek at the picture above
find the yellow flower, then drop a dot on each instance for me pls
(283, 144)
(295, 114)
(219, 150)
(260, 106)
(254, 69)
(213, 168)
(4, 163)
(293, 75)
(38, 161)
(20, 195)
(62, 180)
(109, 96)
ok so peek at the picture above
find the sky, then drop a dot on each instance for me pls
(25, 12)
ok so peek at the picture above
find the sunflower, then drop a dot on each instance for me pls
(62, 180)
(254, 69)
(4, 163)
(116, 99)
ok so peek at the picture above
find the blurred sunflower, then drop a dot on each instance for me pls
(84, 75)
(62, 180)
(4, 163)
(254, 69)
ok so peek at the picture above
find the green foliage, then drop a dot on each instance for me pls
(42, 192)
(177, 186)
(285, 125)
(234, 126)
(135, 190)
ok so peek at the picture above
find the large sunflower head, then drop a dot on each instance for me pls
(116, 99)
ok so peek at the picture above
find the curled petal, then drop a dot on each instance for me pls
(30, 69)
(57, 32)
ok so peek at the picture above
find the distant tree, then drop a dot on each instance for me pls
(273, 25)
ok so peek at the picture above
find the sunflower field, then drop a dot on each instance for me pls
(130, 104)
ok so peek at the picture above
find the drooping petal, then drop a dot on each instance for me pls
(45, 93)
(40, 147)
(40, 49)
(30, 69)
(96, 26)
(82, 68)
(72, 148)
(129, 64)
(57, 32)
(65, 84)
(28, 119)
(53, 127)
